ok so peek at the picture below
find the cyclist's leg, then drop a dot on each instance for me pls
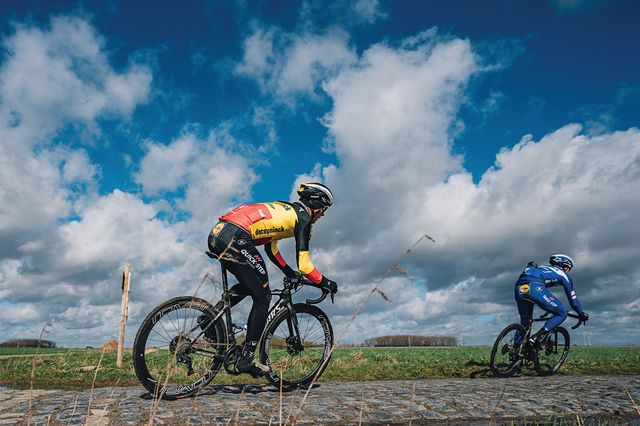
(525, 307)
(251, 271)
(548, 302)
(255, 282)
(243, 260)
(221, 242)
(261, 297)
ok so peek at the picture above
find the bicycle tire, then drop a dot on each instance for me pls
(298, 367)
(544, 362)
(508, 348)
(147, 359)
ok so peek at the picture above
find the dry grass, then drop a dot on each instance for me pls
(632, 401)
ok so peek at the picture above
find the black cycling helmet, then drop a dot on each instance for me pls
(561, 260)
(315, 195)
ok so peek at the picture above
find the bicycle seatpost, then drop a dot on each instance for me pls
(225, 283)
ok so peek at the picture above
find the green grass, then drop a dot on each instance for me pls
(26, 351)
(63, 369)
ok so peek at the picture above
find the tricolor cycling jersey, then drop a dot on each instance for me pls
(269, 222)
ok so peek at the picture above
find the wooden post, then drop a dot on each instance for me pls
(126, 279)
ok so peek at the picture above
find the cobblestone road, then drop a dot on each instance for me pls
(579, 399)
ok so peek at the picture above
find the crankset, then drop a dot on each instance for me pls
(231, 358)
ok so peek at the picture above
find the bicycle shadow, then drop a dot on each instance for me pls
(481, 373)
(486, 372)
(236, 389)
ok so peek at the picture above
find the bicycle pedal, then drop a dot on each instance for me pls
(237, 329)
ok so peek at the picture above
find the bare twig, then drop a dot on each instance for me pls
(361, 410)
(238, 410)
(411, 405)
(47, 328)
(75, 403)
(93, 384)
(492, 420)
(384, 296)
(281, 385)
(632, 401)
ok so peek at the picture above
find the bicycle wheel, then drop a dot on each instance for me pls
(296, 361)
(167, 360)
(505, 355)
(552, 352)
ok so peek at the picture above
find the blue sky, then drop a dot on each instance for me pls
(507, 130)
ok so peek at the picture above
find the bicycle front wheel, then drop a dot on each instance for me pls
(506, 352)
(552, 353)
(296, 359)
(171, 360)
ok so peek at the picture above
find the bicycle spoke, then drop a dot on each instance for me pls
(306, 331)
(165, 330)
(183, 360)
(553, 352)
(154, 330)
(297, 358)
(507, 350)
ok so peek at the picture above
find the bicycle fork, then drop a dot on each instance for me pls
(295, 345)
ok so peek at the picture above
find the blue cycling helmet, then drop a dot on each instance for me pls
(561, 260)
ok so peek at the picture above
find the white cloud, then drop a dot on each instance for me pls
(59, 74)
(51, 78)
(392, 112)
(564, 6)
(392, 127)
(77, 167)
(117, 228)
(292, 65)
(312, 58)
(31, 193)
(165, 167)
(18, 314)
(368, 11)
(207, 170)
(258, 56)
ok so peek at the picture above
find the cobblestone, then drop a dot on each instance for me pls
(577, 399)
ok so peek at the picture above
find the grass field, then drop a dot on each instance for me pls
(25, 351)
(75, 368)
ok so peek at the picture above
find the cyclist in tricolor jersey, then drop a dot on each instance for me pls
(234, 240)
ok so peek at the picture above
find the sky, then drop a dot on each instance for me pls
(505, 130)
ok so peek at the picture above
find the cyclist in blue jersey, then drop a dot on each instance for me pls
(532, 288)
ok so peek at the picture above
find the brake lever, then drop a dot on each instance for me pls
(332, 297)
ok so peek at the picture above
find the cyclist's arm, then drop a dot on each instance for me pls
(271, 248)
(571, 295)
(303, 235)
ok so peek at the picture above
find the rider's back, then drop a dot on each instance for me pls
(547, 274)
(265, 221)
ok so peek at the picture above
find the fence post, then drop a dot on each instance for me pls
(126, 279)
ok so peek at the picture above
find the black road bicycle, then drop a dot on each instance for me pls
(513, 349)
(181, 345)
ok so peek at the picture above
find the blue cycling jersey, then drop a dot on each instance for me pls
(551, 276)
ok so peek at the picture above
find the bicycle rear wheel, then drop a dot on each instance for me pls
(506, 352)
(553, 352)
(296, 362)
(169, 358)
